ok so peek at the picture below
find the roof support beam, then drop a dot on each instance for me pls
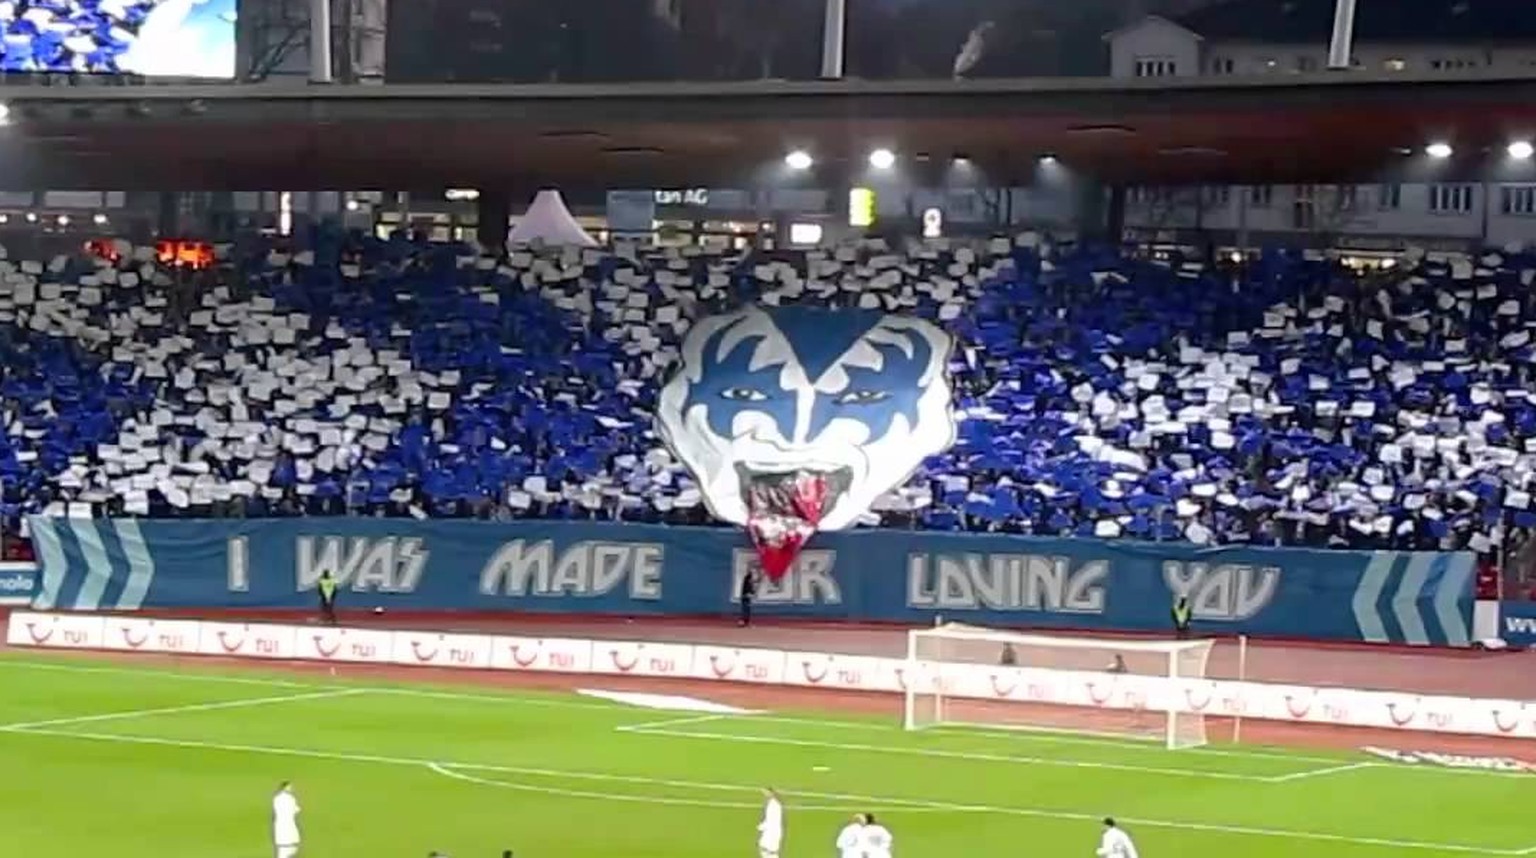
(1341, 44)
(321, 68)
(834, 38)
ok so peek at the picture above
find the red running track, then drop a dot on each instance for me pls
(1420, 670)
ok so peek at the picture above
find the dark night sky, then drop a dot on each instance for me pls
(614, 40)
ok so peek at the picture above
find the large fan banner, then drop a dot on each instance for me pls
(794, 420)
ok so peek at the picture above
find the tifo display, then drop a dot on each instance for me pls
(1005, 432)
(1172, 707)
(1284, 400)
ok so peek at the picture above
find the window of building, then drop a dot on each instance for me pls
(1218, 196)
(1303, 214)
(1156, 67)
(1450, 199)
(1260, 196)
(1223, 65)
(1389, 198)
(1345, 197)
(1518, 200)
(1453, 63)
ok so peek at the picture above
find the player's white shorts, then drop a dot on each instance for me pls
(290, 851)
(768, 844)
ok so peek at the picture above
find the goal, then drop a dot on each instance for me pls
(964, 675)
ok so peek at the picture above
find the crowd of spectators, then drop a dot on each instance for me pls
(1279, 399)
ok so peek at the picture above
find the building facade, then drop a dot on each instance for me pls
(1290, 37)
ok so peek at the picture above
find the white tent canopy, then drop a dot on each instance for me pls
(549, 222)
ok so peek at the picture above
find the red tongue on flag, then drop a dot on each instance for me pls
(779, 537)
(778, 543)
(810, 494)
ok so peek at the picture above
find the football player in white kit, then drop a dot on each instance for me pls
(850, 841)
(878, 842)
(770, 831)
(285, 822)
(1115, 843)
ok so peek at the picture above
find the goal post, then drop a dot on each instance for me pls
(961, 675)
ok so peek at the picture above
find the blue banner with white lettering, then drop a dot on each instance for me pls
(882, 575)
(1517, 623)
(18, 583)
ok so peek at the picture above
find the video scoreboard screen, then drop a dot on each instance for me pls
(155, 38)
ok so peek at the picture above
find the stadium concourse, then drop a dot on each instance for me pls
(1282, 399)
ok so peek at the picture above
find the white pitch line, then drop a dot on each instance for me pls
(172, 710)
(66, 667)
(853, 802)
(513, 698)
(575, 703)
(1316, 773)
(954, 755)
(671, 722)
(1056, 738)
(915, 804)
(1018, 737)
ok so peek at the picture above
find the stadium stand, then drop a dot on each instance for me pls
(1280, 400)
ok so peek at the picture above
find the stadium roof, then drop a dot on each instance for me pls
(1313, 128)
(1420, 22)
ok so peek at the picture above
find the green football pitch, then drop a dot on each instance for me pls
(101, 758)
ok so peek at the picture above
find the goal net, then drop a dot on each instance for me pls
(971, 676)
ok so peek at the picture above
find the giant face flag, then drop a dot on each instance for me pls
(795, 419)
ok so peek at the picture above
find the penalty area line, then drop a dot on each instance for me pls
(861, 800)
(1315, 773)
(26, 726)
(669, 722)
(850, 802)
(936, 753)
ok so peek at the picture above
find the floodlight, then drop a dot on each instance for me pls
(799, 160)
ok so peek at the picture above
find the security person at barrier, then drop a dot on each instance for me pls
(1182, 613)
(1009, 656)
(327, 588)
(744, 596)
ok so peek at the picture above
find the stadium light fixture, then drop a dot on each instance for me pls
(63, 220)
(882, 159)
(799, 160)
(5, 113)
(99, 219)
(1521, 150)
(1439, 151)
(1047, 160)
